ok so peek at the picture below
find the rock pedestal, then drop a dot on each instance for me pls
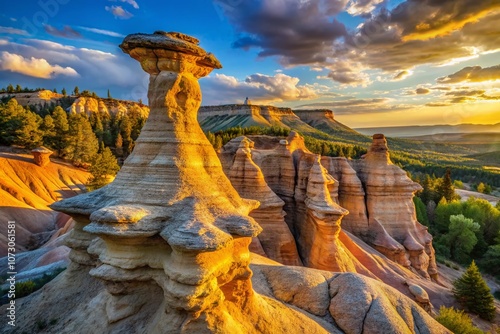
(394, 230)
(41, 156)
(171, 210)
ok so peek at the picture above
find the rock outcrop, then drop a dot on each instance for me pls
(392, 224)
(377, 194)
(41, 156)
(109, 107)
(164, 247)
(276, 239)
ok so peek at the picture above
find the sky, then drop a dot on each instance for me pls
(373, 62)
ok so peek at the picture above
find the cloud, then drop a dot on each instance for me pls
(297, 32)
(402, 75)
(358, 106)
(362, 7)
(257, 87)
(34, 67)
(13, 31)
(66, 32)
(348, 73)
(472, 74)
(422, 91)
(119, 12)
(466, 92)
(130, 2)
(438, 104)
(98, 70)
(103, 32)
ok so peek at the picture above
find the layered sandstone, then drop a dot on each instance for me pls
(276, 239)
(110, 107)
(41, 156)
(164, 247)
(392, 224)
(377, 194)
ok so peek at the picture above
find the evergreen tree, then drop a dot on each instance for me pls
(54, 90)
(461, 237)
(48, 130)
(446, 188)
(109, 95)
(28, 133)
(63, 92)
(61, 126)
(76, 91)
(126, 132)
(82, 144)
(10, 88)
(103, 166)
(19, 89)
(421, 211)
(474, 294)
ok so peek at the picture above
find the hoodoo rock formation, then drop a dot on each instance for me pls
(41, 156)
(371, 198)
(276, 239)
(166, 243)
(392, 226)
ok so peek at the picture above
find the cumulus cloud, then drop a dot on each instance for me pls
(422, 91)
(98, 70)
(34, 67)
(66, 32)
(362, 7)
(472, 74)
(297, 32)
(348, 73)
(13, 31)
(224, 89)
(413, 33)
(119, 12)
(103, 32)
(402, 75)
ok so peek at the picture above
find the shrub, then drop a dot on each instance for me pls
(24, 288)
(456, 321)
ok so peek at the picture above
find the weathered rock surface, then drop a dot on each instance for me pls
(164, 247)
(41, 156)
(376, 193)
(276, 239)
(110, 107)
(392, 224)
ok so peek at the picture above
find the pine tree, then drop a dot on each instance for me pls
(446, 188)
(63, 92)
(82, 144)
(76, 91)
(109, 95)
(103, 166)
(474, 294)
(19, 89)
(10, 88)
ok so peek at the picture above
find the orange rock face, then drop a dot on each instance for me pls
(41, 156)
(371, 198)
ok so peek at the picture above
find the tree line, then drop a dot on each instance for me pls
(93, 140)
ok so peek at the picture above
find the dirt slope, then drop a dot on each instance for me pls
(26, 190)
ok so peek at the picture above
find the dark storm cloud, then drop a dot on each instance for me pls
(297, 32)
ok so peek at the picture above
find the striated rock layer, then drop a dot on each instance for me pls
(168, 238)
(371, 198)
(276, 240)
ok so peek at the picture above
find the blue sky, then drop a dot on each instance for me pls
(373, 62)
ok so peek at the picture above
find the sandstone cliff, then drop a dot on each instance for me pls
(89, 105)
(164, 247)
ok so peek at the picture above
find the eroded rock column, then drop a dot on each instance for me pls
(171, 218)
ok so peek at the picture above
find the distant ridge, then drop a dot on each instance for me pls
(425, 130)
(312, 122)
